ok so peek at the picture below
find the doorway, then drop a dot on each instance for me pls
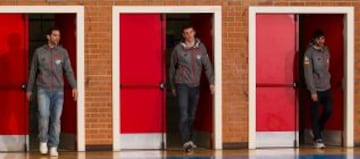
(333, 27)
(146, 78)
(203, 24)
(24, 31)
(39, 24)
(282, 125)
(155, 125)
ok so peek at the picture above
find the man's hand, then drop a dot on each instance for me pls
(173, 91)
(212, 88)
(75, 94)
(314, 97)
(28, 95)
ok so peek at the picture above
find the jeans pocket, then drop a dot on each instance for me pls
(41, 91)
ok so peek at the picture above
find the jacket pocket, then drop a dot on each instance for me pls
(318, 62)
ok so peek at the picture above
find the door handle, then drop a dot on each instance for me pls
(163, 85)
(295, 85)
(23, 86)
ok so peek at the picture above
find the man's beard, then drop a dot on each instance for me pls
(54, 43)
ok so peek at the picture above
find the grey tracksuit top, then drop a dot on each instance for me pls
(316, 68)
(186, 65)
(48, 67)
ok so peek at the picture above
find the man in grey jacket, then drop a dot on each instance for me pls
(48, 65)
(317, 76)
(187, 60)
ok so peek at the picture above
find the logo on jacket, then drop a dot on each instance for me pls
(198, 57)
(306, 60)
(58, 62)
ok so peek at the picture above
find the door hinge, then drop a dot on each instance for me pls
(162, 17)
(23, 16)
(295, 143)
(162, 145)
(25, 147)
(295, 17)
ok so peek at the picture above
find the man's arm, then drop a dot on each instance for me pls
(173, 62)
(32, 75)
(308, 73)
(208, 69)
(33, 72)
(207, 65)
(69, 71)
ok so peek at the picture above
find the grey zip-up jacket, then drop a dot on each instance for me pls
(48, 67)
(186, 65)
(316, 68)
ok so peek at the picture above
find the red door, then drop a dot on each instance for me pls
(332, 25)
(142, 71)
(13, 70)
(67, 26)
(203, 125)
(275, 75)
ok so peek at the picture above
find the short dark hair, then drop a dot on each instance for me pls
(50, 31)
(318, 33)
(187, 27)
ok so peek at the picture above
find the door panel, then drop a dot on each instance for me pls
(275, 74)
(203, 125)
(142, 110)
(144, 121)
(67, 26)
(332, 25)
(13, 70)
(279, 112)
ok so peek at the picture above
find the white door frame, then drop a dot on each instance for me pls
(79, 11)
(348, 82)
(217, 107)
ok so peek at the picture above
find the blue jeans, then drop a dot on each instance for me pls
(188, 99)
(318, 123)
(50, 109)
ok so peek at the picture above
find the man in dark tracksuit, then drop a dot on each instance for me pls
(48, 65)
(187, 60)
(317, 76)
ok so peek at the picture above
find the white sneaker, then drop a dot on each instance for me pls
(319, 144)
(54, 152)
(192, 144)
(43, 148)
(187, 147)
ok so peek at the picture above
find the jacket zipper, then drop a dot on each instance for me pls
(193, 68)
(51, 69)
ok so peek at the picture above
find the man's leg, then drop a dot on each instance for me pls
(327, 103)
(183, 102)
(315, 119)
(55, 127)
(44, 113)
(193, 102)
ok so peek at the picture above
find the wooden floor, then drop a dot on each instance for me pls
(303, 153)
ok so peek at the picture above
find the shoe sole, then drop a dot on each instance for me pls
(188, 148)
(53, 155)
(44, 153)
(320, 146)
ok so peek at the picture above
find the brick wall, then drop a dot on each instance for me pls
(235, 60)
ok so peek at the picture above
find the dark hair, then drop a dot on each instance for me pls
(318, 33)
(187, 27)
(50, 31)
